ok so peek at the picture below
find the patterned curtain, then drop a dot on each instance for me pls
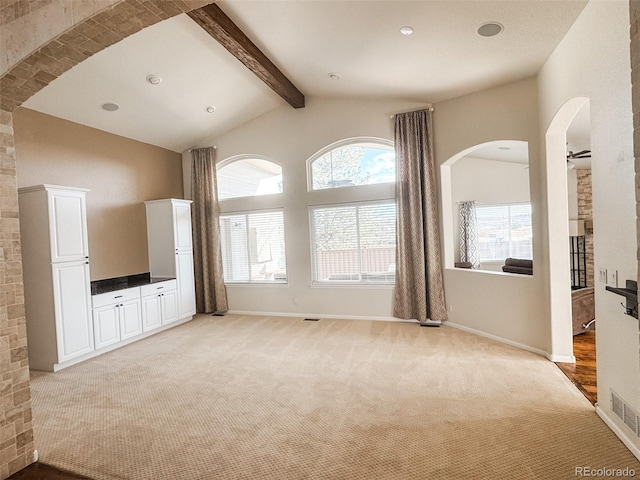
(211, 294)
(419, 291)
(469, 234)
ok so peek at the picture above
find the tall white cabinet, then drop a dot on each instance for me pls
(55, 254)
(171, 248)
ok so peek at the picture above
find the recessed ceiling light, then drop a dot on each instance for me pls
(210, 109)
(504, 148)
(490, 29)
(406, 30)
(110, 107)
(154, 80)
(334, 76)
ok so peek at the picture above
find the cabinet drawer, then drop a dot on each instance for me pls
(115, 297)
(158, 287)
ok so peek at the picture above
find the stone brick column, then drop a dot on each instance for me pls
(16, 433)
(585, 212)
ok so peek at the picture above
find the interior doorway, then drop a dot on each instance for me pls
(575, 331)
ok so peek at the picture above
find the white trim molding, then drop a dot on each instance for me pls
(318, 315)
(506, 341)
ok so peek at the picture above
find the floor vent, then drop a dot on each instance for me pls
(627, 414)
(311, 319)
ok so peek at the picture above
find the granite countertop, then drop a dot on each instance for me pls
(129, 281)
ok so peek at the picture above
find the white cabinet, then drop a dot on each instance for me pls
(68, 221)
(170, 248)
(106, 326)
(117, 316)
(159, 304)
(130, 319)
(187, 286)
(72, 294)
(53, 229)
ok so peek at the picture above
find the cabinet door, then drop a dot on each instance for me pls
(186, 284)
(151, 312)
(106, 326)
(68, 224)
(72, 294)
(130, 319)
(182, 227)
(169, 306)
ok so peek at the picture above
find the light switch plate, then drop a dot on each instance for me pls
(612, 278)
(602, 275)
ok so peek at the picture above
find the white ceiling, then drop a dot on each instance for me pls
(510, 151)
(359, 40)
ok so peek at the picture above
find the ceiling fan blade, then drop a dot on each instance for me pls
(579, 154)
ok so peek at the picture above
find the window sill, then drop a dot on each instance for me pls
(359, 285)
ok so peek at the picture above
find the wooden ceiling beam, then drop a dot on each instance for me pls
(216, 23)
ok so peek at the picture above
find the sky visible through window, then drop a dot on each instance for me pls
(353, 165)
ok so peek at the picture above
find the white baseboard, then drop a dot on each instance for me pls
(561, 358)
(522, 346)
(318, 315)
(620, 433)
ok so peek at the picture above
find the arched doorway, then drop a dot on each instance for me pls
(561, 338)
(70, 39)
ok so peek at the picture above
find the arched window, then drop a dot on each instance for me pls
(248, 176)
(353, 162)
(353, 241)
(252, 241)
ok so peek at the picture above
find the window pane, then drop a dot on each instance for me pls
(249, 177)
(356, 164)
(253, 247)
(504, 231)
(354, 243)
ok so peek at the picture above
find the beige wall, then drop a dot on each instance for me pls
(508, 112)
(290, 137)
(120, 173)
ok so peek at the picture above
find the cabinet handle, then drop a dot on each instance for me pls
(158, 288)
(86, 263)
(118, 296)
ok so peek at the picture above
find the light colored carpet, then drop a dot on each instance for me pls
(280, 398)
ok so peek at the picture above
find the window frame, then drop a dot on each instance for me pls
(247, 213)
(312, 242)
(246, 156)
(339, 144)
(508, 205)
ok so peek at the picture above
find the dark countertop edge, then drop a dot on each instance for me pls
(129, 281)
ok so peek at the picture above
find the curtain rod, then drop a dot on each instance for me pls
(215, 147)
(431, 109)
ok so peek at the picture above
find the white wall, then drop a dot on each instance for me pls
(290, 137)
(489, 182)
(507, 306)
(593, 61)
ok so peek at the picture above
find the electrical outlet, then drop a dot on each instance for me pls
(602, 275)
(450, 308)
(612, 278)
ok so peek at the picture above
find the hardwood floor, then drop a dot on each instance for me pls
(583, 372)
(40, 471)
